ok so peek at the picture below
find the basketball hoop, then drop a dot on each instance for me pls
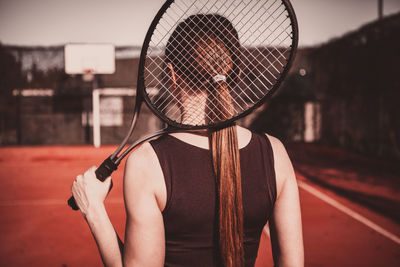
(89, 59)
(88, 75)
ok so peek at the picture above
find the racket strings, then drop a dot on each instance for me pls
(265, 33)
(192, 109)
(271, 63)
(177, 94)
(239, 95)
(206, 51)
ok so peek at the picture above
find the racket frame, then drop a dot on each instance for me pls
(142, 61)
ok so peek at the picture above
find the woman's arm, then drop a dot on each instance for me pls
(285, 224)
(89, 194)
(145, 197)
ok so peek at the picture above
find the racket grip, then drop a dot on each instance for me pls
(102, 172)
(72, 203)
(105, 169)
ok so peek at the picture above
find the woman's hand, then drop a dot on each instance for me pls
(89, 192)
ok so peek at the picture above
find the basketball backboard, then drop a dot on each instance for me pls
(84, 58)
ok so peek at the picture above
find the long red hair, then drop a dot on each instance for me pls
(201, 48)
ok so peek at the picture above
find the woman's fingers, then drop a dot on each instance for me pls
(88, 191)
(90, 173)
(79, 178)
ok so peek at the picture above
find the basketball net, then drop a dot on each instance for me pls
(88, 75)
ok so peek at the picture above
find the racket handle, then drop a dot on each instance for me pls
(72, 203)
(106, 168)
(102, 172)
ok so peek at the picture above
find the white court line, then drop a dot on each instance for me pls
(348, 211)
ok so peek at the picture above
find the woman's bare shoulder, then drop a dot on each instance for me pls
(282, 163)
(143, 174)
(142, 167)
(143, 156)
(277, 145)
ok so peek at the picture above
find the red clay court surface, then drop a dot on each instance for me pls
(37, 228)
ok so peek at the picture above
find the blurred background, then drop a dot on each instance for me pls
(337, 113)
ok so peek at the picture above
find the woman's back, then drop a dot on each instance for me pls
(185, 204)
(190, 215)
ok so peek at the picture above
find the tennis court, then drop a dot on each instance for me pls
(37, 228)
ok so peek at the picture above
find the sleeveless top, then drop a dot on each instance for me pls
(190, 218)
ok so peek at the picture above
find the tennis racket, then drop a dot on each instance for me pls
(254, 41)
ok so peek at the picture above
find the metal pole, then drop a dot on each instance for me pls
(380, 9)
(96, 115)
(19, 100)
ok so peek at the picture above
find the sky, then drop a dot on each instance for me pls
(125, 22)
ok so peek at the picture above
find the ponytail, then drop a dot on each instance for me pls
(226, 163)
(203, 49)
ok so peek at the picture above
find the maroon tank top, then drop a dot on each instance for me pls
(190, 211)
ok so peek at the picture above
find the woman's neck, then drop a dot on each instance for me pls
(193, 109)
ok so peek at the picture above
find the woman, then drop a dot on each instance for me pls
(200, 199)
